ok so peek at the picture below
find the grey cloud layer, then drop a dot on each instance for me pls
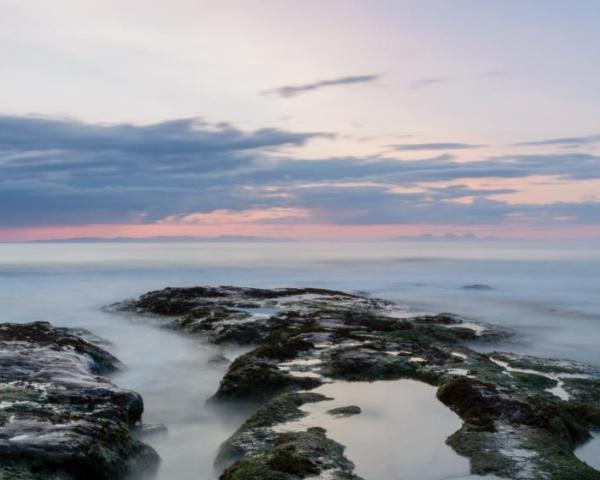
(287, 91)
(56, 171)
(175, 137)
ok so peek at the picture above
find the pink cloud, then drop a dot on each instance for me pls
(224, 217)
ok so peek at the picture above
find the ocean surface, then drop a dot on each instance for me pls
(547, 293)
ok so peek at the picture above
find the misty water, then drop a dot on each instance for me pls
(548, 293)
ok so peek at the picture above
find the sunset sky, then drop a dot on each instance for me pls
(299, 119)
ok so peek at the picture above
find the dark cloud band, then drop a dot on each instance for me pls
(57, 171)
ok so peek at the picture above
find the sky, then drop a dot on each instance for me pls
(317, 120)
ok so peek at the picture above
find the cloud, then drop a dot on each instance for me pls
(426, 82)
(176, 137)
(371, 205)
(410, 147)
(187, 172)
(567, 142)
(288, 91)
(223, 216)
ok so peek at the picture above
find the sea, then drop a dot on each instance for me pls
(546, 293)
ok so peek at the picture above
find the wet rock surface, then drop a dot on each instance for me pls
(522, 416)
(58, 418)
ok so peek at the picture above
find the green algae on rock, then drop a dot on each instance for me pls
(522, 416)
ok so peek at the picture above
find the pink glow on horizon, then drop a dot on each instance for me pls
(295, 231)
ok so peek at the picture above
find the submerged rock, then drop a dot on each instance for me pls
(476, 286)
(522, 416)
(345, 411)
(58, 418)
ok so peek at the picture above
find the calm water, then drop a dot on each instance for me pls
(548, 293)
(380, 439)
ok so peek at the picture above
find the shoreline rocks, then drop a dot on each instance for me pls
(522, 416)
(59, 419)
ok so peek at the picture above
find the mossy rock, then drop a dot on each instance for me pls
(294, 456)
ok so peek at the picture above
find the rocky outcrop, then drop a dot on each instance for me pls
(523, 416)
(58, 418)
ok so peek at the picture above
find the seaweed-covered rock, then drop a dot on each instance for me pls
(523, 416)
(481, 403)
(294, 455)
(257, 433)
(58, 418)
(252, 378)
(367, 364)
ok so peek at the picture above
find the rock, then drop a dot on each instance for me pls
(439, 319)
(256, 433)
(58, 418)
(251, 378)
(345, 411)
(367, 364)
(522, 416)
(481, 403)
(295, 455)
(476, 286)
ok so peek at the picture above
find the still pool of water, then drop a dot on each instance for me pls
(400, 432)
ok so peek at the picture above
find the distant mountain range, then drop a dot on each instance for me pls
(165, 239)
(247, 238)
(445, 237)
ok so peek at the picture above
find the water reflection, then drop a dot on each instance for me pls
(400, 433)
